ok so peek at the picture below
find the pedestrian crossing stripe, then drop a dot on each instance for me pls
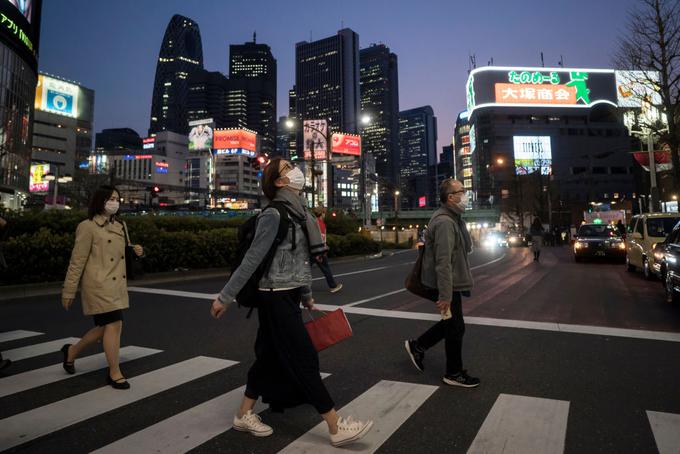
(32, 351)
(521, 424)
(18, 334)
(54, 373)
(27, 426)
(187, 430)
(666, 429)
(388, 403)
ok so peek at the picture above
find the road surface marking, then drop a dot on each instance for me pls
(187, 430)
(38, 349)
(521, 424)
(161, 291)
(18, 334)
(389, 404)
(666, 429)
(41, 421)
(363, 271)
(485, 321)
(51, 374)
(356, 303)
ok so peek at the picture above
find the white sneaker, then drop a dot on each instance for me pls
(336, 288)
(350, 431)
(252, 423)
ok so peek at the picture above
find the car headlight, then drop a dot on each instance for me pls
(621, 245)
(579, 245)
(658, 255)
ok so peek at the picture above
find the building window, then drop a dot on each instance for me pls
(599, 170)
(578, 170)
(619, 170)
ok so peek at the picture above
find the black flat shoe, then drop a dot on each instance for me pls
(5, 363)
(68, 366)
(118, 384)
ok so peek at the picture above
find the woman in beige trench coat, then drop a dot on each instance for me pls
(98, 265)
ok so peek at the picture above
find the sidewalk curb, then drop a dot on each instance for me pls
(11, 292)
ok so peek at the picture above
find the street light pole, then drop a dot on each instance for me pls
(653, 198)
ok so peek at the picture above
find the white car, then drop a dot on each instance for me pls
(643, 233)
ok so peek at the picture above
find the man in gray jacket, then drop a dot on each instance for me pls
(446, 268)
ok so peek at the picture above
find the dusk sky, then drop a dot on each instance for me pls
(112, 46)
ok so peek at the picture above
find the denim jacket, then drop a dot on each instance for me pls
(290, 268)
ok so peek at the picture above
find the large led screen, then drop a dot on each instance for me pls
(57, 96)
(201, 135)
(531, 154)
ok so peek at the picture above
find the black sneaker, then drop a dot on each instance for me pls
(461, 379)
(4, 363)
(416, 354)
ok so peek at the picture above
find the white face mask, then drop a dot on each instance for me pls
(462, 205)
(296, 179)
(111, 207)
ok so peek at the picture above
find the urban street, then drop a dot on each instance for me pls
(572, 357)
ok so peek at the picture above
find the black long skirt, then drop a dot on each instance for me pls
(286, 370)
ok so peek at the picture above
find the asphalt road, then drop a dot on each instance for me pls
(574, 358)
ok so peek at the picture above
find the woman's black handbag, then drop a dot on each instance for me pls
(134, 267)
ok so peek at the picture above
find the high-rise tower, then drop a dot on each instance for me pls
(181, 54)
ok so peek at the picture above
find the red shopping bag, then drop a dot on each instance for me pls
(328, 329)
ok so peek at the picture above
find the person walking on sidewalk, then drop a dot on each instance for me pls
(322, 260)
(536, 232)
(286, 369)
(98, 265)
(446, 268)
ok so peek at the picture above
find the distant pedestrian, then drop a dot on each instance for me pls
(621, 228)
(446, 268)
(536, 233)
(322, 260)
(98, 265)
(286, 369)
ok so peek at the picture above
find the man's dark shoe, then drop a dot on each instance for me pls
(461, 379)
(416, 354)
(4, 363)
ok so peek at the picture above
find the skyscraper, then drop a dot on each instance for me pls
(380, 99)
(327, 88)
(208, 97)
(252, 70)
(418, 138)
(181, 54)
(327, 80)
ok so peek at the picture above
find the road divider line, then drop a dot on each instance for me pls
(666, 430)
(44, 348)
(388, 403)
(27, 426)
(51, 374)
(161, 291)
(364, 271)
(521, 424)
(186, 430)
(486, 321)
(18, 334)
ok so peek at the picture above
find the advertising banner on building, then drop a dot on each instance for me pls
(201, 135)
(315, 133)
(662, 160)
(234, 142)
(494, 86)
(37, 182)
(346, 144)
(531, 154)
(20, 27)
(57, 96)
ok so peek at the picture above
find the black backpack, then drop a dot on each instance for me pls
(247, 297)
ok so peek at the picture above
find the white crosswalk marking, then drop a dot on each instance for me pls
(389, 404)
(41, 421)
(50, 374)
(666, 429)
(187, 430)
(38, 349)
(18, 334)
(521, 424)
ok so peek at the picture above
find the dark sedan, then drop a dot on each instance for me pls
(668, 256)
(598, 240)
